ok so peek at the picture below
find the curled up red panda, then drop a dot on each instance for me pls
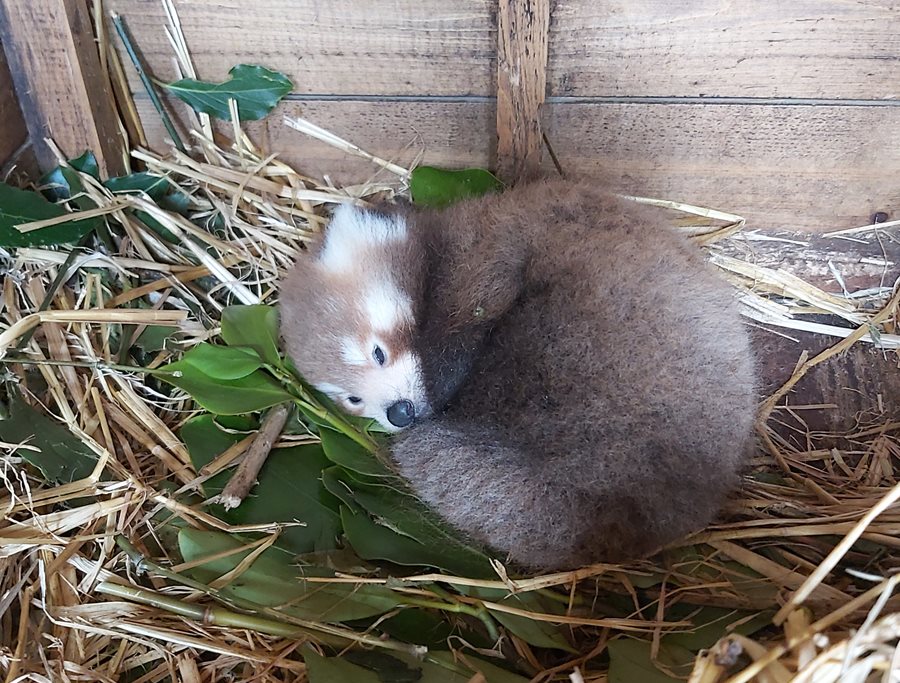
(567, 379)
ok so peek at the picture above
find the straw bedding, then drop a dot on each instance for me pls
(89, 586)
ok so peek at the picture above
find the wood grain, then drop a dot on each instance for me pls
(448, 133)
(13, 133)
(620, 48)
(522, 27)
(707, 48)
(791, 167)
(389, 47)
(56, 70)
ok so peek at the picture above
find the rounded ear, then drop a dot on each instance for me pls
(353, 230)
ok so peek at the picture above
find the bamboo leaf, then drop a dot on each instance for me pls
(255, 89)
(395, 667)
(321, 669)
(223, 362)
(709, 624)
(419, 532)
(630, 660)
(154, 338)
(22, 206)
(532, 631)
(288, 489)
(344, 451)
(417, 626)
(374, 541)
(491, 672)
(247, 394)
(438, 187)
(253, 326)
(154, 186)
(274, 581)
(62, 457)
(87, 164)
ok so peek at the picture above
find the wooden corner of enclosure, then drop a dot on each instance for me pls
(62, 88)
(522, 36)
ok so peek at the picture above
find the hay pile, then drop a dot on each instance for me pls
(98, 481)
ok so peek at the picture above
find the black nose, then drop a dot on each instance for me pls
(402, 413)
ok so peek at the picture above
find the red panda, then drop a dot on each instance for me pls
(569, 381)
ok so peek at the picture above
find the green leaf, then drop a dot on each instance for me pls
(247, 394)
(256, 89)
(491, 672)
(389, 667)
(630, 661)
(709, 625)
(438, 187)
(63, 181)
(748, 584)
(396, 667)
(419, 627)
(373, 541)
(223, 362)
(344, 451)
(645, 581)
(154, 186)
(532, 631)
(21, 206)
(288, 488)
(321, 669)
(274, 581)
(399, 512)
(154, 337)
(63, 456)
(253, 326)
(87, 164)
(178, 201)
(157, 227)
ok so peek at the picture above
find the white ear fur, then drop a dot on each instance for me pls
(353, 230)
(386, 307)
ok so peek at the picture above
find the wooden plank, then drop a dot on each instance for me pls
(795, 167)
(522, 27)
(454, 134)
(704, 48)
(357, 47)
(13, 133)
(792, 167)
(56, 70)
(863, 263)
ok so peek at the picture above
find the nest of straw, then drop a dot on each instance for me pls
(90, 590)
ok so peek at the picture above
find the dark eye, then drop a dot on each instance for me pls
(378, 355)
(354, 399)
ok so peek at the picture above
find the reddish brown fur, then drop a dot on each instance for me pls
(596, 382)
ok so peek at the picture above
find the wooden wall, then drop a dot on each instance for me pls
(13, 134)
(786, 112)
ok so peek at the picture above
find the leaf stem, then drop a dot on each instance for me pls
(308, 403)
(122, 30)
(479, 612)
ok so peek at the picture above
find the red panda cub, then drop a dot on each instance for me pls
(568, 380)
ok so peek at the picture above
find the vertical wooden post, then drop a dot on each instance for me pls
(523, 28)
(62, 89)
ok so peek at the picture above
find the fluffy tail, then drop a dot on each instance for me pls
(543, 514)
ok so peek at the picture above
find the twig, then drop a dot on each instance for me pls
(244, 479)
